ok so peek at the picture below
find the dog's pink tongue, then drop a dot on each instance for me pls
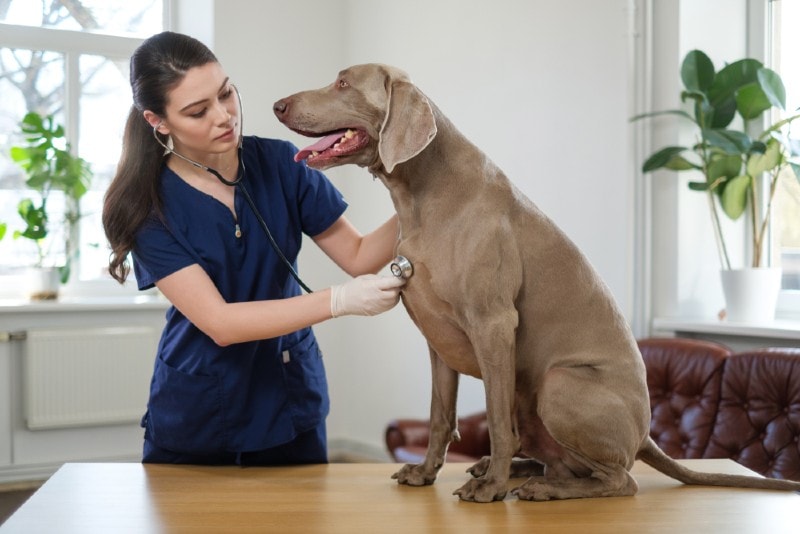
(326, 142)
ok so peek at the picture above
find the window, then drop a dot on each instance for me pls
(68, 58)
(785, 15)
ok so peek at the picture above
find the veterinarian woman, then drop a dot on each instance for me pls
(238, 375)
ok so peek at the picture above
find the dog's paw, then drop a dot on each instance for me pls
(482, 490)
(534, 489)
(480, 468)
(415, 475)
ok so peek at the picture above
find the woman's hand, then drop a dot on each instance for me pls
(368, 294)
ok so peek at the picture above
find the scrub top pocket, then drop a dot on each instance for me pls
(185, 411)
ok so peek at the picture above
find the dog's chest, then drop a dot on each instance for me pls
(438, 322)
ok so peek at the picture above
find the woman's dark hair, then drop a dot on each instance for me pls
(157, 66)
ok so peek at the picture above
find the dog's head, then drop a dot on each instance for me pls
(371, 115)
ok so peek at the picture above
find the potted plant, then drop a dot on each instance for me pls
(49, 166)
(740, 166)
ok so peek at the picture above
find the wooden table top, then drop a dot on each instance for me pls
(362, 499)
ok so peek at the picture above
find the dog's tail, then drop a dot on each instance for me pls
(653, 456)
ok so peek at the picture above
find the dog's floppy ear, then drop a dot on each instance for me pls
(409, 125)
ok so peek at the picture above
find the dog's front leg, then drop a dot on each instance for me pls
(443, 422)
(494, 344)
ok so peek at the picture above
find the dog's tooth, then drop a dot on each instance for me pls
(314, 154)
(349, 134)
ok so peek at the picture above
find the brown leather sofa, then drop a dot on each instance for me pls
(706, 402)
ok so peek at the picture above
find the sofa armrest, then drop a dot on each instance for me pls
(407, 439)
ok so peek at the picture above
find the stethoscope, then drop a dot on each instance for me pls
(400, 266)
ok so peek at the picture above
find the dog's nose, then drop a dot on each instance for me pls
(279, 107)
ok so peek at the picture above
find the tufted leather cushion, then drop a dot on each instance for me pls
(758, 424)
(684, 377)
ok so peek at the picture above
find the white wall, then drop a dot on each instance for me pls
(544, 92)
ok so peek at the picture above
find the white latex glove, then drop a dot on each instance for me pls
(368, 294)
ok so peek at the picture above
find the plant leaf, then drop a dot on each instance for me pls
(35, 219)
(751, 101)
(679, 163)
(729, 141)
(759, 163)
(772, 85)
(734, 197)
(697, 72)
(726, 165)
(698, 186)
(661, 158)
(3, 229)
(723, 113)
(731, 77)
(678, 112)
(796, 168)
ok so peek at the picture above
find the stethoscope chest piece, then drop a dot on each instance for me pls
(401, 267)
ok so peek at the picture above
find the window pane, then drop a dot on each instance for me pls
(787, 196)
(113, 16)
(105, 101)
(30, 80)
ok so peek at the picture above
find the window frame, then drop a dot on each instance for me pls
(761, 41)
(73, 44)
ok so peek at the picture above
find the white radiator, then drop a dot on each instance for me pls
(85, 377)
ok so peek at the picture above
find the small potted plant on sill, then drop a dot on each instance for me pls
(49, 166)
(740, 168)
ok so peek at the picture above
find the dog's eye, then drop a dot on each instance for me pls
(342, 84)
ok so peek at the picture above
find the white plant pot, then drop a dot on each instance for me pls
(42, 283)
(751, 295)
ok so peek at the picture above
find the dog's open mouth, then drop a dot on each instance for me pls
(334, 145)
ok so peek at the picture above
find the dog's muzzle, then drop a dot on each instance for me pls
(401, 267)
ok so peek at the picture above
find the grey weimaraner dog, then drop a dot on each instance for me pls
(501, 294)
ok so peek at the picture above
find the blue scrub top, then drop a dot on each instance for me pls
(207, 399)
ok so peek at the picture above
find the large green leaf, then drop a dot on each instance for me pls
(772, 85)
(731, 77)
(751, 101)
(723, 113)
(734, 196)
(697, 71)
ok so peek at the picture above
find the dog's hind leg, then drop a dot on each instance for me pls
(442, 426)
(598, 428)
(520, 467)
(608, 481)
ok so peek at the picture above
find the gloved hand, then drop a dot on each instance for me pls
(368, 294)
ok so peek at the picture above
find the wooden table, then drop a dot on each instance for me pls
(362, 499)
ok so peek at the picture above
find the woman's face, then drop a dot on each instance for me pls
(202, 113)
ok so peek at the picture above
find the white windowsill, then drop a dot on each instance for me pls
(73, 304)
(777, 329)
